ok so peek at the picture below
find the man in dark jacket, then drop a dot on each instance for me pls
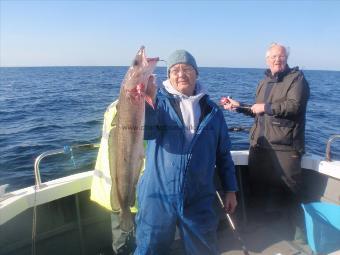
(277, 138)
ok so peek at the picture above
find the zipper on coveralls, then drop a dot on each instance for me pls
(198, 133)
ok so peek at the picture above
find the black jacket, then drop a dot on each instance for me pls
(282, 126)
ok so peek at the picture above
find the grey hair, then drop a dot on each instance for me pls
(277, 45)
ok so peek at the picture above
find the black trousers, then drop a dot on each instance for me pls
(275, 181)
(276, 169)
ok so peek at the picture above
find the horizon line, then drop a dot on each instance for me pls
(301, 68)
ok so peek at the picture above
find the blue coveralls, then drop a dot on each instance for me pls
(177, 187)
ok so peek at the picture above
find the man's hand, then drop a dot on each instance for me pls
(230, 202)
(257, 108)
(151, 90)
(230, 104)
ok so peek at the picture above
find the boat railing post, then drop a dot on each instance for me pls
(80, 228)
(328, 147)
(37, 164)
(37, 176)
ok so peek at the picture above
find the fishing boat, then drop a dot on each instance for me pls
(57, 216)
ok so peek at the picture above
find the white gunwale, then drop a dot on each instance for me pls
(18, 201)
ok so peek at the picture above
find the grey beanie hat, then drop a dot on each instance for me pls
(181, 57)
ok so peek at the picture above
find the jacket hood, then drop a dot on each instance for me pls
(279, 76)
(190, 108)
(198, 92)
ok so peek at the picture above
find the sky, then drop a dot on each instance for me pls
(217, 33)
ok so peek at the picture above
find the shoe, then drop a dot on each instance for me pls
(302, 247)
(129, 247)
(300, 236)
(106, 251)
(300, 241)
(124, 250)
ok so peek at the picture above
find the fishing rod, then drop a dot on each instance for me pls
(244, 107)
(225, 100)
(232, 225)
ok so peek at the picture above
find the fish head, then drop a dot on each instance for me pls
(136, 79)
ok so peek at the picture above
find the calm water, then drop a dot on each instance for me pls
(44, 108)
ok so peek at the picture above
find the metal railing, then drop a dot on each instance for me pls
(65, 150)
(328, 147)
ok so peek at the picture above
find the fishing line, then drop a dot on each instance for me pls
(68, 150)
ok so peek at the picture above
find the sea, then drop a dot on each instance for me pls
(51, 108)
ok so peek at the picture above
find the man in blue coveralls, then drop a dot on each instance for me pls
(187, 142)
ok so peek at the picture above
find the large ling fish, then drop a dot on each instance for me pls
(129, 132)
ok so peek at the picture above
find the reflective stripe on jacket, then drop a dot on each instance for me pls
(102, 181)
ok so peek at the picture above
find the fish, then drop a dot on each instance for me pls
(129, 132)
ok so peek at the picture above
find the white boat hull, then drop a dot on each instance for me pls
(67, 218)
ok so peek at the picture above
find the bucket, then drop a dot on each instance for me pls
(322, 226)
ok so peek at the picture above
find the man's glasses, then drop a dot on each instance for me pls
(281, 57)
(186, 70)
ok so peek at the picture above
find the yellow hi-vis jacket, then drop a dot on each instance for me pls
(103, 189)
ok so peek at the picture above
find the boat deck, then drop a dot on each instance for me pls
(266, 238)
(261, 235)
